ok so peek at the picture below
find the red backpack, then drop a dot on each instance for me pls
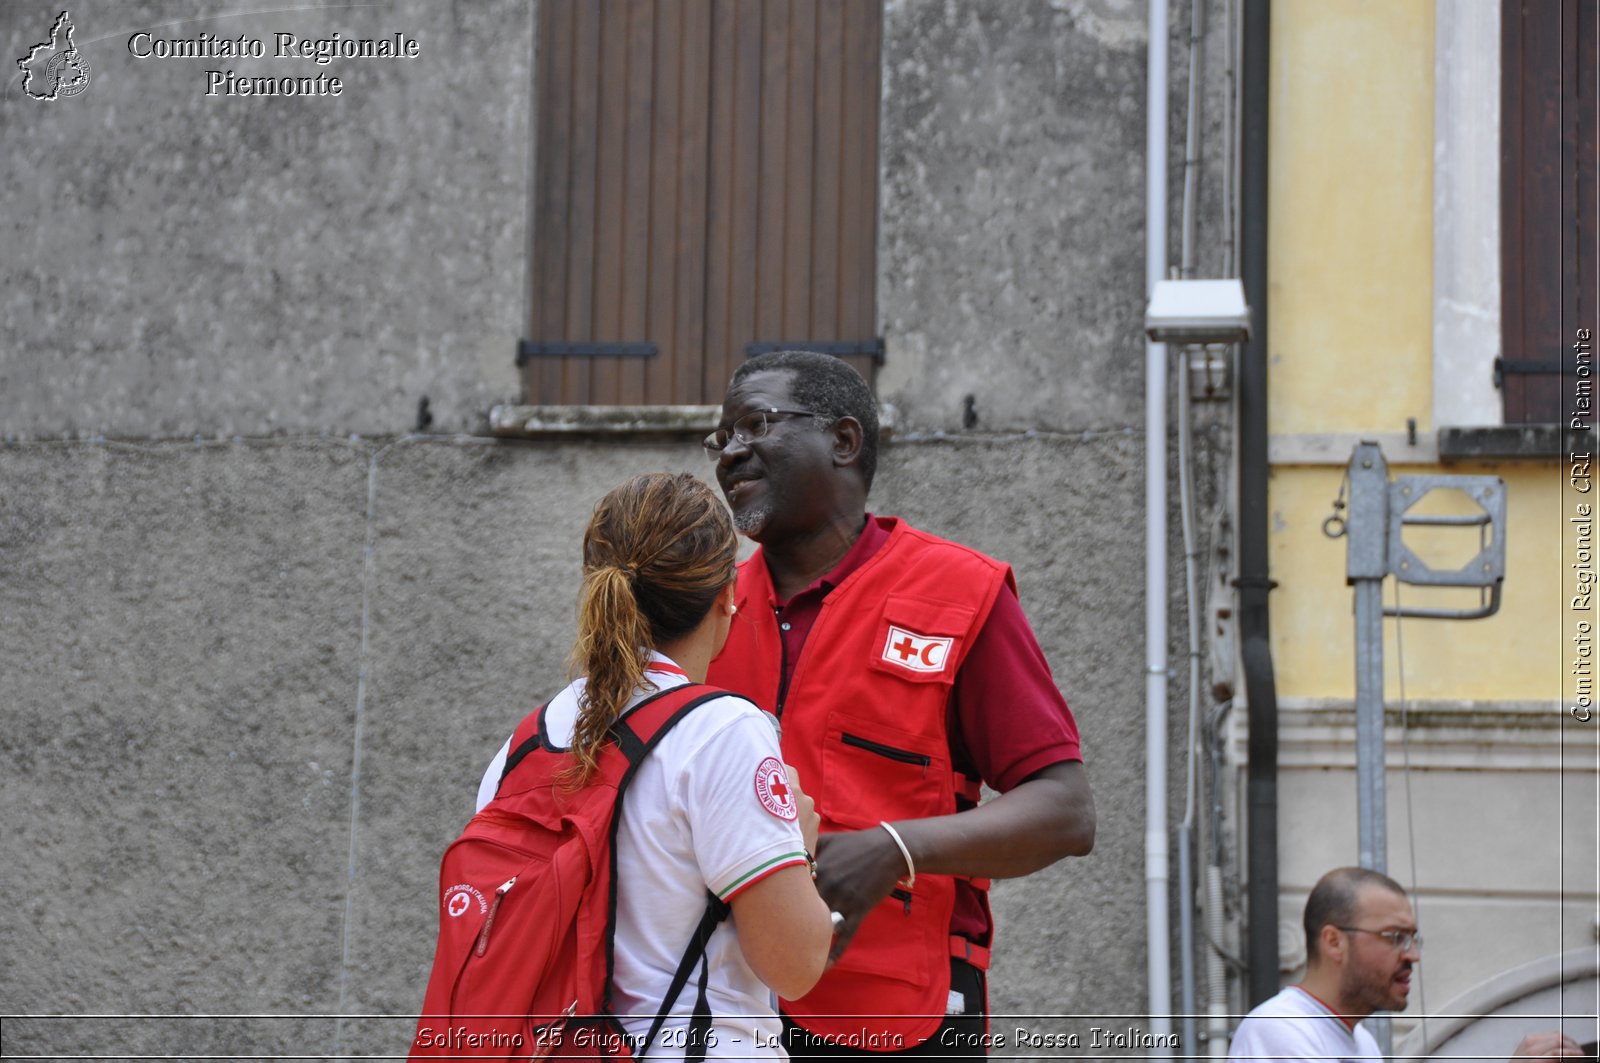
(528, 902)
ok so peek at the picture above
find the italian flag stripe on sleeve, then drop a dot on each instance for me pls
(761, 871)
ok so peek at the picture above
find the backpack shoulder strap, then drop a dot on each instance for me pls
(638, 731)
(531, 732)
(700, 1022)
(636, 735)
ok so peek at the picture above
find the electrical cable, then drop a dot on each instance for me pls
(1411, 826)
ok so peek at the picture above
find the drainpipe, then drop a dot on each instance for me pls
(1155, 542)
(1253, 583)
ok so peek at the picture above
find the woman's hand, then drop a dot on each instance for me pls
(809, 821)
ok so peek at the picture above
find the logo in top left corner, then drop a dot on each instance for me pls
(55, 68)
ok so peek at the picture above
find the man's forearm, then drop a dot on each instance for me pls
(1041, 820)
(1048, 816)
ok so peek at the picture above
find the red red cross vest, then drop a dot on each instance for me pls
(864, 723)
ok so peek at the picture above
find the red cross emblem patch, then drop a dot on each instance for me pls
(458, 898)
(916, 653)
(772, 788)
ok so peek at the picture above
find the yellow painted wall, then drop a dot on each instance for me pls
(1517, 655)
(1350, 270)
(1350, 205)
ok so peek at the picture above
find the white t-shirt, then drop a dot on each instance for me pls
(705, 811)
(1294, 1025)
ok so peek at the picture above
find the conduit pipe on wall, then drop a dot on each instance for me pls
(1254, 583)
(1186, 827)
(1216, 973)
(1191, 552)
(1155, 543)
(1217, 988)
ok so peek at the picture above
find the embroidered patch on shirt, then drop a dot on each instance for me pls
(772, 787)
(918, 653)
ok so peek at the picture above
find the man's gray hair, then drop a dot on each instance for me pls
(829, 387)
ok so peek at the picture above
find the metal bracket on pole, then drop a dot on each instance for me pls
(1486, 570)
(1380, 511)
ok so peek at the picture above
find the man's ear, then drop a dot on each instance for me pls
(1332, 943)
(847, 436)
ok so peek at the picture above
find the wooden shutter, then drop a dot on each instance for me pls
(1548, 232)
(706, 179)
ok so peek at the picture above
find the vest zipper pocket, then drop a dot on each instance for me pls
(903, 896)
(904, 756)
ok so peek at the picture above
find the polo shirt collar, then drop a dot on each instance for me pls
(873, 535)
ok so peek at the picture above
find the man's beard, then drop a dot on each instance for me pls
(1369, 997)
(752, 518)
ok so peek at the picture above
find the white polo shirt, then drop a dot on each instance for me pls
(1294, 1025)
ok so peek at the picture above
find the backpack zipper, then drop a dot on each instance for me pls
(488, 920)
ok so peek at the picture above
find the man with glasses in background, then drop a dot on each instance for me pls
(1361, 945)
(905, 675)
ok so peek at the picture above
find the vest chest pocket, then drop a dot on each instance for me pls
(873, 773)
(919, 640)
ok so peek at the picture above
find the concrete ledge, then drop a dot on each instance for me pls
(567, 421)
(1445, 735)
(1333, 448)
(1528, 442)
(1523, 441)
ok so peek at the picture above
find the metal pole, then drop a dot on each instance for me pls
(1157, 933)
(1368, 565)
(1372, 838)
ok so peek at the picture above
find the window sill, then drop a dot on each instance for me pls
(543, 422)
(1530, 442)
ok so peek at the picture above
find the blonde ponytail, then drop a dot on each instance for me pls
(611, 651)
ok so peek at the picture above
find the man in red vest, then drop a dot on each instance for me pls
(905, 675)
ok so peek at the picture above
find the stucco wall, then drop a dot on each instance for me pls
(1012, 248)
(177, 263)
(224, 726)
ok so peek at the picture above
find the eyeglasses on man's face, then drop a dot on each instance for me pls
(1401, 940)
(749, 428)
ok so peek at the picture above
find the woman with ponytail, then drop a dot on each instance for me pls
(655, 608)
